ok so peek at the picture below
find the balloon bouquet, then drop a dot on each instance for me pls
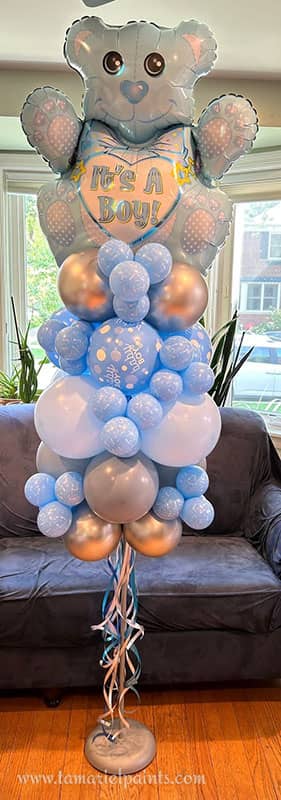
(134, 220)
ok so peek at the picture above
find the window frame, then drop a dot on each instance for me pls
(270, 257)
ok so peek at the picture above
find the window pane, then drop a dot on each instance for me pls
(257, 293)
(41, 281)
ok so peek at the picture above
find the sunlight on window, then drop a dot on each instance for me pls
(257, 294)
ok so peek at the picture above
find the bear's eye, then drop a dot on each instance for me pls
(113, 62)
(154, 64)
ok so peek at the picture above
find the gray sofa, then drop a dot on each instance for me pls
(211, 609)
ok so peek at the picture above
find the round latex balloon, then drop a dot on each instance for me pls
(121, 490)
(111, 253)
(69, 489)
(169, 503)
(200, 341)
(152, 536)
(192, 481)
(188, 432)
(180, 300)
(64, 419)
(123, 355)
(81, 288)
(49, 461)
(54, 519)
(40, 489)
(198, 513)
(90, 538)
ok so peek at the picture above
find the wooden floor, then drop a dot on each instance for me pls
(222, 743)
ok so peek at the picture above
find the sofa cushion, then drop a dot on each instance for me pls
(18, 445)
(49, 598)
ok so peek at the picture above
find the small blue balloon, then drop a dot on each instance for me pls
(54, 519)
(157, 260)
(40, 489)
(198, 378)
(64, 316)
(120, 436)
(112, 253)
(176, 353)
(200, 341)
(77, 367)
(131, 312)
(53, 357)
(72, 343)
(166, 386)
(83, 326)
(192, 481)
(129, 280)
(109, 402)
(145, 410)
(198, 513)
(69, 488)
(46, 334)
(169, 503)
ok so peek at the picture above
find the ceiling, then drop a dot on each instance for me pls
(247, 31)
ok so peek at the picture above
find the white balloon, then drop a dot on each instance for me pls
(55, 465)
(187, 433)
(64, 418)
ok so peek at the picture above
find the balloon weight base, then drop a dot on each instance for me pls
(130, 752)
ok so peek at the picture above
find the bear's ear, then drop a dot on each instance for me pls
(201, 45)
(81, 42)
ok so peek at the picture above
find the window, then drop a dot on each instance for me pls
(254, 297)
(259, 296)
(275, 246)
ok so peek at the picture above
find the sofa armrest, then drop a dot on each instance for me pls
(263, 523)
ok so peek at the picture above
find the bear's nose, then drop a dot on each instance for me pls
(134, 91)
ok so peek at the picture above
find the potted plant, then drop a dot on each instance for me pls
(22, 384)
(226, 361)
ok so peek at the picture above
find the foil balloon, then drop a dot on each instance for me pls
(121, 490)
(90, 538)
(137, 168)
(82, 290)
(152, 536)
(180, 300)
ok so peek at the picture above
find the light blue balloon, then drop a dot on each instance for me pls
(109, 402)
(123, 355)
(72, 343)
(46, 334)
(131, 312)
(65, 316)
(69, 489)
(53, 357)
(169, 503)
(145, 410)
(112, 253)
(40, 489)
(120, 436)
(176, 353)
(83, 326)
(192, 481)
(54, 519)
(200, 341)
(77, 367)
(198, 378)
(129, 280)
(157, 260)
(166, 386)
(198, 513)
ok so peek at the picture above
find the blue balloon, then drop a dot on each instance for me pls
(69, 489)
(120, 436)
(53, 357)
(65, 316)
(192, 481)
(54, 519)
(129, 280)
(145, 410)
(77, 367)
(198, 378)
(40, 489)
(166, 386)
(72, 343)
(47, 333)
(131, 312)
(200, 341)
(123, 355)
(169, 503)
(112, 253)
(176, 353)
(109, 402)
(83, 326)
(157, 260)
(198, 513)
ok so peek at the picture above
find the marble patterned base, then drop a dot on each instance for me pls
(131, 751)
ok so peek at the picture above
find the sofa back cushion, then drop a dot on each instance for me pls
(18, 445)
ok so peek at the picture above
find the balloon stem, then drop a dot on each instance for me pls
(122, 662)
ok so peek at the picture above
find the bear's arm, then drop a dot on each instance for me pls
(225, 131)
(52, 127)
